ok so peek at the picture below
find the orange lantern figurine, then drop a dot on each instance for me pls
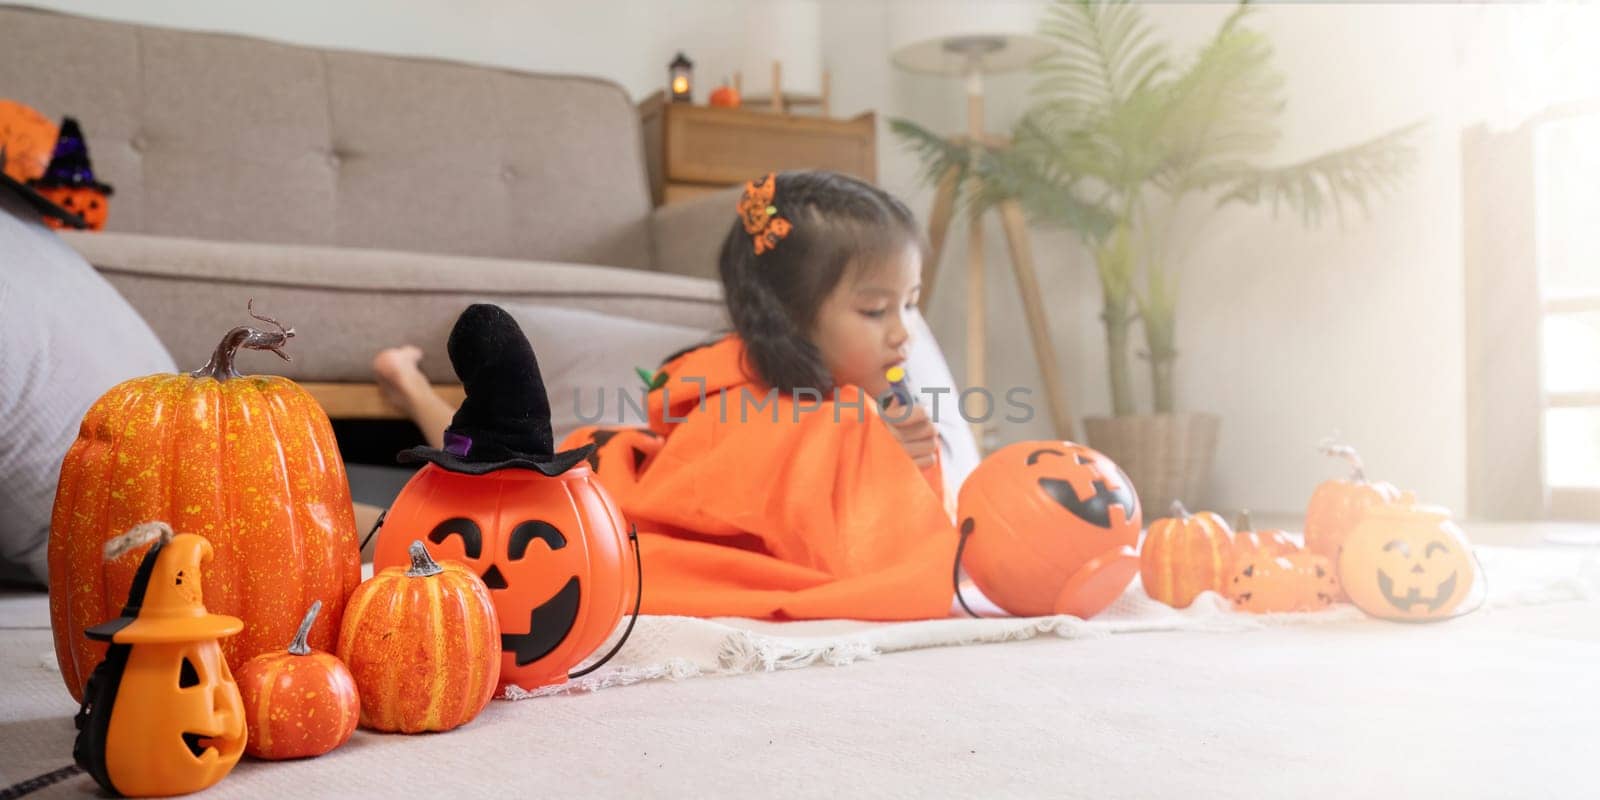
(1408, 563)
(1048, 527)
(545, 537)
(161, 714)
(69, 180)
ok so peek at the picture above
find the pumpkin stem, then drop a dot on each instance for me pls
(422, 564)
(1242, 522)
(298, 647)
(1333, 447)
(1177, 511)
(221, 367)
(138, 536)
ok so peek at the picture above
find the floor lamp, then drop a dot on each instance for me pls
(971, 40)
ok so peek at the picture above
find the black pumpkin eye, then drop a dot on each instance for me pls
(1397, 544)
(94, 204)
(188, 676)
(526, 532)
(471, 537)
(1434, 547)
(1033, 457)
(66, 202)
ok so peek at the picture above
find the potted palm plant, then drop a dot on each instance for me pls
(1122, 138)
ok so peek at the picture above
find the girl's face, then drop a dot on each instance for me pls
(864, 325)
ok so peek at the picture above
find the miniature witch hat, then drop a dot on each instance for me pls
(505, 419)
(164, 603)
(69, 166)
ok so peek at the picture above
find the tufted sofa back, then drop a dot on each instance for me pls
(229, 138)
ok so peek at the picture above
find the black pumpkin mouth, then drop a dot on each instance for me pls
(548, 626)
(198, 743)
(1442, 594)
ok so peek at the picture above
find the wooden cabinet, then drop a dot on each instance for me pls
(691, 150)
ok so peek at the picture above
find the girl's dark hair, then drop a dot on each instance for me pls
(839, 223)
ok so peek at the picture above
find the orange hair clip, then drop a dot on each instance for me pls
(760, 216)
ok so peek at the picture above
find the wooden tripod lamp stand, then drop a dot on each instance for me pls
(970, 40)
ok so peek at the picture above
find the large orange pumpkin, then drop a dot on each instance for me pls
(1337, 505)
(423, 645)
(1185, 554)
(248, 462)
(298, 702)
(1048, 527)
(1407, 562)
(553, 551)
(28, 138)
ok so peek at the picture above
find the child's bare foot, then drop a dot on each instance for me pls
(399, 378)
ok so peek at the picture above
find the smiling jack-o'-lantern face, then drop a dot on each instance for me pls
(1407, 562)
(552, 550)
(1045, 524)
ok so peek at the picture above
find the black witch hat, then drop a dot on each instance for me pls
(505, 419)
(69, 165)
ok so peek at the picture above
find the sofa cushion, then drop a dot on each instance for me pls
(232, 138)
(346, 304)
(65, 338)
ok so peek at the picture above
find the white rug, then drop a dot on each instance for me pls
(677, 648)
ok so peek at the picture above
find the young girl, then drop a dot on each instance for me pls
(767, 483)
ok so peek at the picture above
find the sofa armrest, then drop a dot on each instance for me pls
(688, 234)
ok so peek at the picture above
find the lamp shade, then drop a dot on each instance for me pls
(944, 36)
(788, 32)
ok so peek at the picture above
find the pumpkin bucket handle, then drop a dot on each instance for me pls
(955, 574)
(638, 598)
(221, 366)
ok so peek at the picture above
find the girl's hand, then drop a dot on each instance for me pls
(917, 433)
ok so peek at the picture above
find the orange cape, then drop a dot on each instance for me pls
(774, 505)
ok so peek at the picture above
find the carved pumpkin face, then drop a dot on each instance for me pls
(552, 551)
(1050, 527)
(91, 204)
(1407, 563)
(1293, 582)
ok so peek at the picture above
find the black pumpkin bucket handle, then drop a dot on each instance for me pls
(638, 598)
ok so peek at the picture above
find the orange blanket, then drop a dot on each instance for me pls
(774, 506)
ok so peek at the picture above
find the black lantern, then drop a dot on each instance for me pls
(681, 75)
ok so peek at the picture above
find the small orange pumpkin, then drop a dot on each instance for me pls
(1249, 542)
(88, 202)
(1185, 554)
(1337, 505)
(1048, 527)
(724, 96)
(1264, 583)
(299, 702)
(423, 645)
(1408, 563)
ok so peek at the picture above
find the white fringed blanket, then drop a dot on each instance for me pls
(677, 648)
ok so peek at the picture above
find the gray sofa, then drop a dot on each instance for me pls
(364, 199)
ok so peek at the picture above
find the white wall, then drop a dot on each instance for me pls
(1289, 334)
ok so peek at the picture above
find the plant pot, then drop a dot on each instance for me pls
(1167, 456)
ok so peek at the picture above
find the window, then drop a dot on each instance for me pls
(1567, 218)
